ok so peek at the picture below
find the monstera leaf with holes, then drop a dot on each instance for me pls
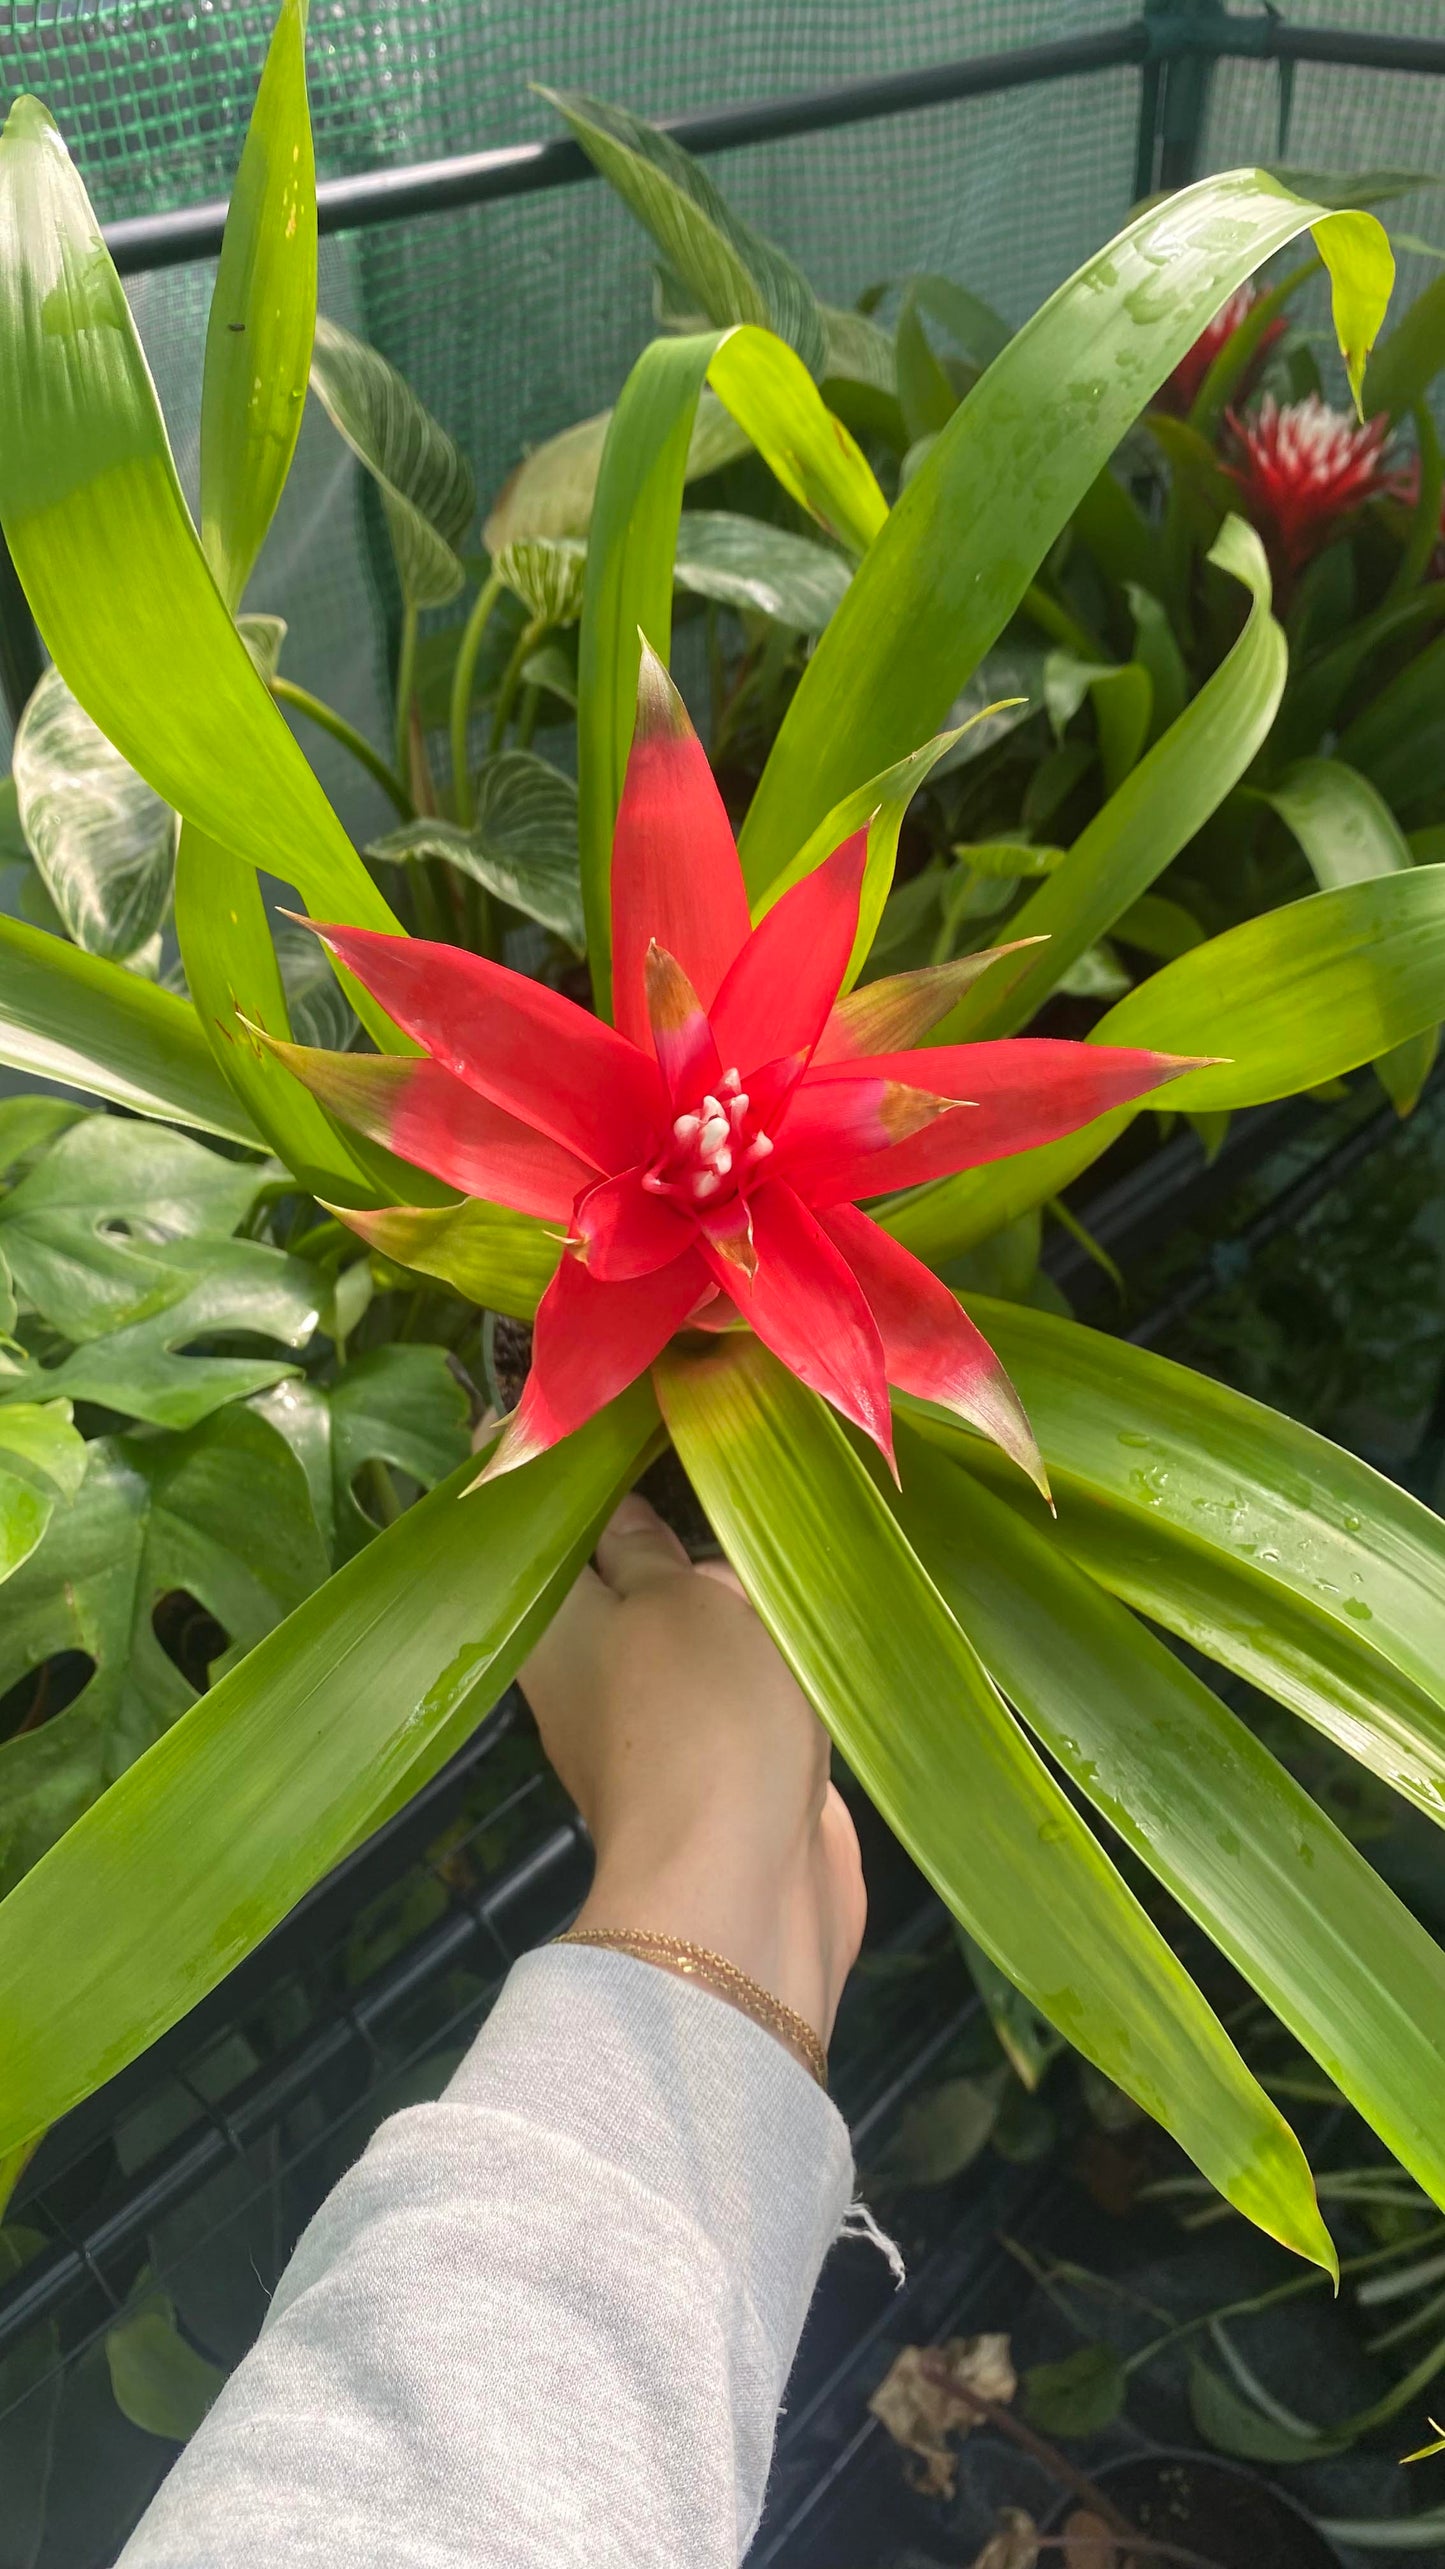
(671, 1181)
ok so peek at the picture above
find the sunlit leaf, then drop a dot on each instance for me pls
(70, 1017)
(502, 1260)
(1168, 796)
(263, 312)
(103, 843)
(87, 478)
(1281, 1003)
(924, 1731)
(186, 1863)
(1190, 1789)
(974, 523)
(633, 541)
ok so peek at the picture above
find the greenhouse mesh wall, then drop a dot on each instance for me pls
(514, 318)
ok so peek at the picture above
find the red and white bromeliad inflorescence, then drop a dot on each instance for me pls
(703, 1155)
(1180, 390)
(1305, 468)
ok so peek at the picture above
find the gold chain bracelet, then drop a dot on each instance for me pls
(694, 1962)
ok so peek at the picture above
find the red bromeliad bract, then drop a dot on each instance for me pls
(703, 1155)
(1305, 468)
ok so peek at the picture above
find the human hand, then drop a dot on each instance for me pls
(699, 1767)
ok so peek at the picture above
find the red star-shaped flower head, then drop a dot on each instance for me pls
(703, 1156)
(1180, 391)
(1305, 468)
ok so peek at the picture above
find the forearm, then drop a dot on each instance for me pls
(546, 2320)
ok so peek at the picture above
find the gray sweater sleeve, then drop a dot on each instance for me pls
(547, 2320)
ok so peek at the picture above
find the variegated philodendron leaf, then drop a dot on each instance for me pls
(424, 479)
(103, 843)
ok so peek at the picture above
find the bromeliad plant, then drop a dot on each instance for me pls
(703, 1154)
(967, 1652)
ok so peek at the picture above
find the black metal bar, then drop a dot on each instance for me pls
(21, 660)
(149, 241)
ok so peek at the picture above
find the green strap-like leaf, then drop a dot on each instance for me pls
(974, 523)
(1350, 835)
(1346, 830)
(879, 806)
(425, 480)
(263, 313)
(502, 1260)
(104, 845)
(728, 269)
(207, 1841)
(1262, 1544)
(1405, 364)
(69, 1016)
(1399, 739)
(1284, 1002)
(633, 542)
(110, 561)
(1126, 847)
(1316, 693)
(1297, 1909)
(231, 966)
(909, 1703)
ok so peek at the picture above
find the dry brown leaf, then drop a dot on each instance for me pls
(1088, 2543)
(922, 2400)
(1014, 2546)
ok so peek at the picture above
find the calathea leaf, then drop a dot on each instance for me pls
(400, 1405)
(732, 273)
(546, 572)
(522, 844)
(743, 562)
(425, 480)
(263, 636)
(223, 1516)
(91, 1235)
(42, 1462)
(104, 844)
